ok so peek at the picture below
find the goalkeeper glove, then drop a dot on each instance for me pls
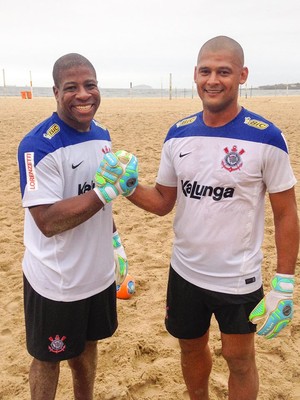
(117, 174)
(121, 263)
(275, 310)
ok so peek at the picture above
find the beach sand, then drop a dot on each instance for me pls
(141, 361)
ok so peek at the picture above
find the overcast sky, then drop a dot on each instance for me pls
(143, 41)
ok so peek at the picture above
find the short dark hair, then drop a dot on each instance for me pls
(69, 61)
(223, 42)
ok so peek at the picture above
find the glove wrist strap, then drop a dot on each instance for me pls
(97, 191)
(283, 283)
(116, 239)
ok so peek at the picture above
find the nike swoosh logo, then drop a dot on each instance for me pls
(77, 165)
(184, 154)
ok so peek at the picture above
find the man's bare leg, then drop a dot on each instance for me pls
(196, 364)
(239, 352)
(83, 370)
(43, 379)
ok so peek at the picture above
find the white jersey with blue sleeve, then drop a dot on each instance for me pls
(57, 162)
(222, 175)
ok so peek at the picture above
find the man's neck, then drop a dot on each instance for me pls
(221, 118)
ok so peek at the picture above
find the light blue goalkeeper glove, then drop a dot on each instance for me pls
(117, 174)
(275, 311)
(121, 263)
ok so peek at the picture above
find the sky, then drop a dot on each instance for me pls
(144, 41)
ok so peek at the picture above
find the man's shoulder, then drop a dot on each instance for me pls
(47, 128)
(256, 128)
(98, 124)
(256, 121)
(184, 126)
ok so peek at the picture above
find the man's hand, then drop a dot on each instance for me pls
(117, 174)
(275, 310)
(121, 263)
(129, 180)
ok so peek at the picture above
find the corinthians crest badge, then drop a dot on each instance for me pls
(232, 160)
(57, 344)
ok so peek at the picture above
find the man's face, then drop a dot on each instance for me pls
(77, 97)
(218, 76)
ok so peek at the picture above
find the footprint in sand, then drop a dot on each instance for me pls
(12, 306)
(5, 335)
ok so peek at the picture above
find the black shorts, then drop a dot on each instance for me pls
(57, 330)
(190, 308)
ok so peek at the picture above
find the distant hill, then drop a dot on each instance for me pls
(281, 86)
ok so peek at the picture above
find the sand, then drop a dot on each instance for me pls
(141, 361)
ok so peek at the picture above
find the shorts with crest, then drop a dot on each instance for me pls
(57, 330)
(189, 309)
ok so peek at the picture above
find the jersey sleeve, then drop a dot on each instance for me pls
(40, 180)
(166, 172)
(277, 170)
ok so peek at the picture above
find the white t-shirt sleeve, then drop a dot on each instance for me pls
(48, 183)
(277, 171)
(166, 173)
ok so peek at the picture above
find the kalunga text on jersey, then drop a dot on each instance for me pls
(86, 187)
(196, 191)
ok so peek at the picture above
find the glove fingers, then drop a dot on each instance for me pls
(123, 156)
(117, 174)
(277, 320)
(110, 168)
(100, 180)
(259, 312)
(132, 165)
(110, 175)
(111, 159)
(270, 331)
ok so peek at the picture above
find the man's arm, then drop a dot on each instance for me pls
(275, 311)
(158, 200)
(286, 230)
(66, 214)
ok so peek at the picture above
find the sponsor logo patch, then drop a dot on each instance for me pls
(196, 191)
(52, 131)
(256, 123)
(186, 121)
(32, 183)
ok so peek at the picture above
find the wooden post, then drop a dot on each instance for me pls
(4, 84)
(170, 88)
(31, 84)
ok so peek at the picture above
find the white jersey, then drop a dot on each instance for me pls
(57, 162)
(221, 175)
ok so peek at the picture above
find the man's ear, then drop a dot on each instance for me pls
(244, 75)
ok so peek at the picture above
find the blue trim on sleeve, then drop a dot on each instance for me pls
(36, 141)
(268, 133)
(51, 135)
